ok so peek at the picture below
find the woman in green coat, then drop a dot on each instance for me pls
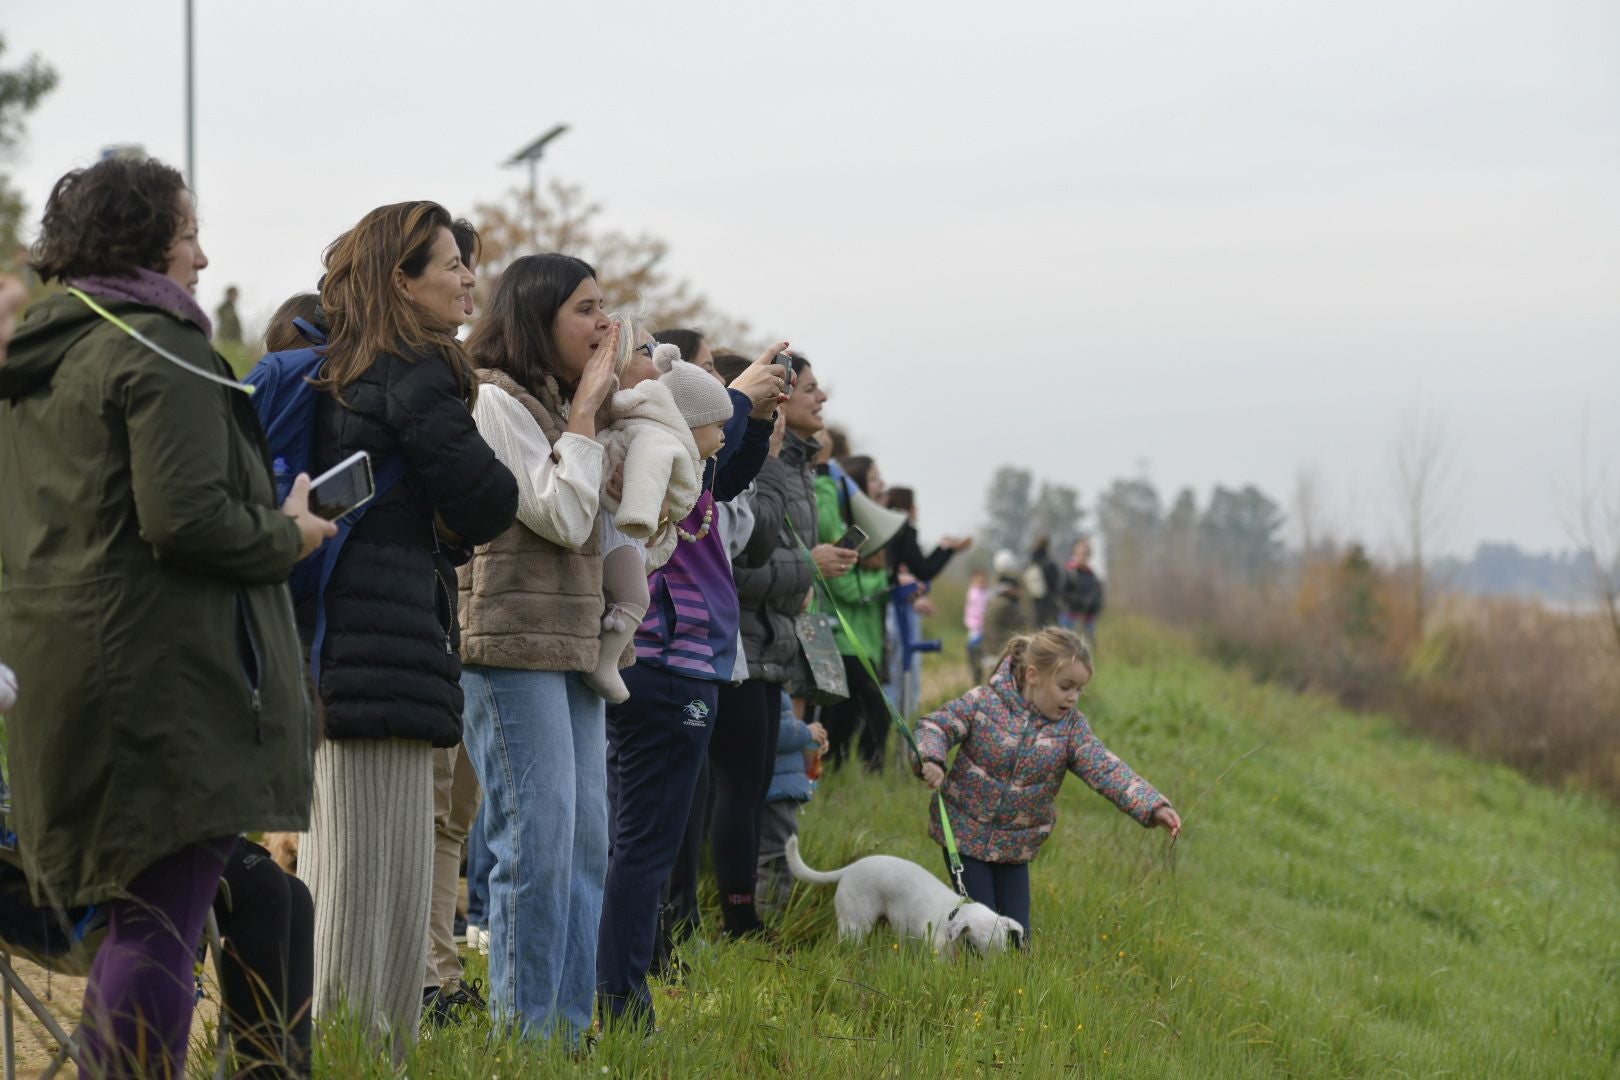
(143, 605)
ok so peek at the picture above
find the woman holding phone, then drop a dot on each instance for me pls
(390, 677)
(162, 709)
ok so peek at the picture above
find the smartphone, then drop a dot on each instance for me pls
(853, 539)
(786, 359)
(344, 487)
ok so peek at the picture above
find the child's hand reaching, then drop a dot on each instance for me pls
(1165, 817)
(934, 776)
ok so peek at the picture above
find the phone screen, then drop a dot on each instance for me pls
(853, 539)
(344, 487)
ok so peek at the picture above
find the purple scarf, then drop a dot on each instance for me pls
(152, 289)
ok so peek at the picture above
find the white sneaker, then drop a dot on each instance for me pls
(482, 943)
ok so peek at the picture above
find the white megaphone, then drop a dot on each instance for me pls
(879, 523)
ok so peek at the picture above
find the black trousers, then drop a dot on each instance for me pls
(1001, 887)
(742, 757)
(267, 921)
(656, 744)
(864, 715)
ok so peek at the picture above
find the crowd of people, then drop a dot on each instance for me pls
(567, 633)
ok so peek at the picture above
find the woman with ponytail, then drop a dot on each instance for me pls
(1019, 735)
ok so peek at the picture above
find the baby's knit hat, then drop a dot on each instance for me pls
(699, 395)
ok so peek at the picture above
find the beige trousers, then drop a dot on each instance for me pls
(456, 796)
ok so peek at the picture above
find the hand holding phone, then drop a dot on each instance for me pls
(344, 487)
(852, 540)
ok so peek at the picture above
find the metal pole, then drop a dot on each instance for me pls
(191, 106)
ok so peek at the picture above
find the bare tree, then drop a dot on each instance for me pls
(1425, 498)
(630, 268)
(1594, 524)
(1308, 510)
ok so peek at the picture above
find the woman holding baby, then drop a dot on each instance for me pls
(537, 653)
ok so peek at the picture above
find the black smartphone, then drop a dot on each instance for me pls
(344, 487)
(853, 539)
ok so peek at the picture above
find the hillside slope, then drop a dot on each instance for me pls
(1345, 901)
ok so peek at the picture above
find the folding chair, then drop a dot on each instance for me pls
(63, 942)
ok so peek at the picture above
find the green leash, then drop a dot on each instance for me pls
(160, 350)
(824, 591)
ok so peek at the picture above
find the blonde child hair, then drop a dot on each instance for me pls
(1046, 651)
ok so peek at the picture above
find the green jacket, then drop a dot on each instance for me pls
(143, 603)
(860, 594)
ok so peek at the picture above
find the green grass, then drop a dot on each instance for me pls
(1346, 900)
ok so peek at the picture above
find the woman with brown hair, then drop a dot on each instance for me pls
(394, 293)
(144, 605)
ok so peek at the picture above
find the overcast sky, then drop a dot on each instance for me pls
(1215, 241)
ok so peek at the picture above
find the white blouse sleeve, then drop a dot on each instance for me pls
(556, 498)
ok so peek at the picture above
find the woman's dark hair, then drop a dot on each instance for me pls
(902, 499)
(281, 335)
(366, 313)
(116, 217)
(467, 242)
(514, 334)
(858, 468)
(690, 342)
(730, 365)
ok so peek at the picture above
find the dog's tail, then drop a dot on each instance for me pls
(803, 872)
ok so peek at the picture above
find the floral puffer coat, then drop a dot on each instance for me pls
(1002, 790)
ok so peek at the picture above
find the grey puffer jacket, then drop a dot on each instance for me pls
(773, 574)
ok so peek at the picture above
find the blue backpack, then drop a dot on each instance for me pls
(285, 400)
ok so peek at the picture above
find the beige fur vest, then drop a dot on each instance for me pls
(526, 602)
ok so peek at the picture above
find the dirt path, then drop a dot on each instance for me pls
(62, 995)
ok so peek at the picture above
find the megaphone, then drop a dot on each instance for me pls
(879, 523)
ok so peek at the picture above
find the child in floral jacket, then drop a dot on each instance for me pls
(1018, 737)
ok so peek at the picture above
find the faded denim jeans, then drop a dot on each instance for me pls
(539, 742)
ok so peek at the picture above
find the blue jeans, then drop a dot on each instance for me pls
(539, 742)
(479, 864)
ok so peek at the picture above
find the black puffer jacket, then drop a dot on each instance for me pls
(391, 666)
(773, 576)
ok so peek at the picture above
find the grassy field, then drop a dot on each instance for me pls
(1345, 901)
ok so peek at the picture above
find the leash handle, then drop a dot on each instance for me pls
(952, 855)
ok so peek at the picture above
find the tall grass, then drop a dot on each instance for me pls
(1347, 900)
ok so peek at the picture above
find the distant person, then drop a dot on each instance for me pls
(1082, 592)
(1042, 581)
(792, 785)
(282, 333)
(163, 709)
(227, 326)
(1003, 804)
(860, 723)
(1006, 615)
(973, 613)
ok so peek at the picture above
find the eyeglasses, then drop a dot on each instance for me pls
(647, 349)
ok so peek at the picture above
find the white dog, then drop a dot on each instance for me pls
(910, 899)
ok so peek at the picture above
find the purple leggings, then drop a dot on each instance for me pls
(141, 995)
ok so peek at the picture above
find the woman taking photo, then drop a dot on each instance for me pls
(531, 620)
(144, 608)
(394, 293)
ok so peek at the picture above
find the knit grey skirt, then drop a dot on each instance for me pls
(368, 861)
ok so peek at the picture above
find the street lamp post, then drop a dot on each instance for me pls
(530, 155)
(191, 106)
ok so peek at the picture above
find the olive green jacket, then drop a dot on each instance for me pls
(143, 603)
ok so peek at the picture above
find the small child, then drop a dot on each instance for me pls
(1018, 736)
(791, 786)
(978, 599)
(663, 430)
